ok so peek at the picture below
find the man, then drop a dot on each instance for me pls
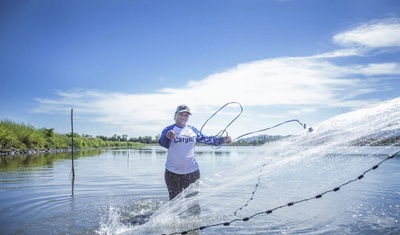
(181, 168)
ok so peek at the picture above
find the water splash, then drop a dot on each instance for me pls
(112, 224)
(123, 216)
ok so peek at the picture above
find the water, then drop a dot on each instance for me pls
(37, 195)
(111, 190)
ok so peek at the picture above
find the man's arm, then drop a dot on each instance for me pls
(164, 141)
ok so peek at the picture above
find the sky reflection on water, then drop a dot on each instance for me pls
(36, 194)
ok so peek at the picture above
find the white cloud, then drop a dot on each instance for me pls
(341, 53)
(376, 34)
(302, 111)
(376, 69)
(312, 81)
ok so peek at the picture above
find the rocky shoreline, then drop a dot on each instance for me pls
(24, 152)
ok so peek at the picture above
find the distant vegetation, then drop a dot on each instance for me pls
(23, 136)
(257, 140)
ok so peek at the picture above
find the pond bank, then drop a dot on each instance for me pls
(23, 152)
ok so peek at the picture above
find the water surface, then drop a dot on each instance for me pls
(113, 187)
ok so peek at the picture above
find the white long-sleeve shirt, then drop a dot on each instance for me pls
(181, 155)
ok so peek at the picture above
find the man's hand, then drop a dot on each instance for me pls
(171, 135)
(227, 139)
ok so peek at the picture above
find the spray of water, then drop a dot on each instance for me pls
(113, 224)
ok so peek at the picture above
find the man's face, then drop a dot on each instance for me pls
(182, 118)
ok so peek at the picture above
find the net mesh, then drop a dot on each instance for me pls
(284, 171)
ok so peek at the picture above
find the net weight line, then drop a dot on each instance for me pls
(227, 223)
(255, 189)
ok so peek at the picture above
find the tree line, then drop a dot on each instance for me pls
(124, 138)
(24, 136)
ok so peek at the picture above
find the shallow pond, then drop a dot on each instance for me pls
(39, 196)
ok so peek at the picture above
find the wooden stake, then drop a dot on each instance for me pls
(72, 134)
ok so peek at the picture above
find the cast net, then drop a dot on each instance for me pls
(309, 183)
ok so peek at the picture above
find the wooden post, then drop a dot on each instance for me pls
(72, 134)
(72, 137)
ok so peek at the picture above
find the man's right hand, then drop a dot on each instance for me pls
(171, 135)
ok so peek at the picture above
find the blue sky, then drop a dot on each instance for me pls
(124, 66)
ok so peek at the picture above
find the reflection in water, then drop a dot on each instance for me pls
(40, 160)
(72, 185)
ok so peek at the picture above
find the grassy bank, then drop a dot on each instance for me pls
(24, 136)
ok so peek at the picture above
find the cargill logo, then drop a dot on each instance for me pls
(184, 140)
